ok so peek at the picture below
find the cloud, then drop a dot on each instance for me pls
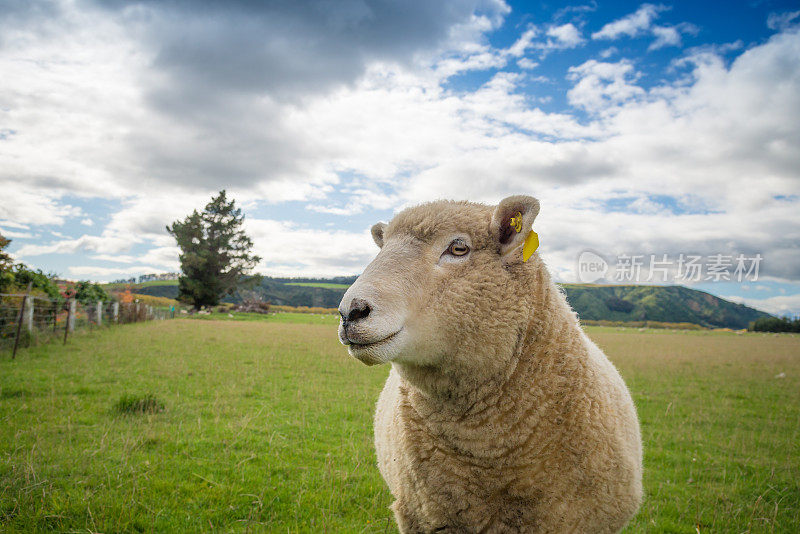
(640, 23)
(87, 222)
(782, 21)
(85, 243)
(12, 234)
(98, 273)
(291, 251)
(781, 305)
(124, 96)
(631, 25)
(566, 35)
(25, 206)
(287, 49)
(523, 43)
(671, 35)
(601, 84)
(556, 37)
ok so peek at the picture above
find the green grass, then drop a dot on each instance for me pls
(279, 317)
(267, 426)
(323, 285)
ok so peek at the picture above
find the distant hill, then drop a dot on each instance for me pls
(669, 304)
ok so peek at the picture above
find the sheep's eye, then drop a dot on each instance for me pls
(458, 248)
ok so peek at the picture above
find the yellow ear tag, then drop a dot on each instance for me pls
(530, 246)
(516, 222)
(531, 242)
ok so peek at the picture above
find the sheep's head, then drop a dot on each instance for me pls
(449, 276)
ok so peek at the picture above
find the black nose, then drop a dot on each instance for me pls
(358, 310)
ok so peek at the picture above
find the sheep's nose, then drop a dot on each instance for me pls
(359, 309)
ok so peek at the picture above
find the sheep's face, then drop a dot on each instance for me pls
(443, 280)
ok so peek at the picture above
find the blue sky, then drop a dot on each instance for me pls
(643, 128)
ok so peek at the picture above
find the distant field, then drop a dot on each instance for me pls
(323, 285)
(267, 426)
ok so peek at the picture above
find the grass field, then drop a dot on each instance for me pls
(265, 425)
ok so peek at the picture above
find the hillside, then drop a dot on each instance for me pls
(670, 304)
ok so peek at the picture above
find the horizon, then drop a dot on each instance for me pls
(658, 131)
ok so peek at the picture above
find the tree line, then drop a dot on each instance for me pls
(776, 324)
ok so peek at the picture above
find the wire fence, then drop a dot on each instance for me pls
(26, 320)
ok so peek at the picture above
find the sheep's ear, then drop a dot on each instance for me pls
(377, 233)
(505, 221)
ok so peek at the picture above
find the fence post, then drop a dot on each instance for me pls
(19, 320)
(115, 311)
(71, 315)
(29, 303)
(66, 323)
(99, 313)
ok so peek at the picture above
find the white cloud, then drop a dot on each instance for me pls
(524, 42)
(291, 250)
(640, 23)
(782, 21)
(526, 63)
(600, 85)
(85, 243)
(87, 222)
(556, 37)
(781, 305)
(23, 205)
(97, 273)
(13, 224)
(608, 52)
(631, 25)
(567, 35)
(13, 234)
(480, 61)
(665, 36)
(671, 35)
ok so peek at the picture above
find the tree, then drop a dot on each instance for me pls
(5, 257)
(6, 276)
(215, 252)
(15, 277)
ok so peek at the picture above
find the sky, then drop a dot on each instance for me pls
(652, 131)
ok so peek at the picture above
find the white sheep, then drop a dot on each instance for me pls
(499, 413)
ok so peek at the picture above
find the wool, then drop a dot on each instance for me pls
(499, 414)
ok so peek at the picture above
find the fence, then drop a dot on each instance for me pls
(25, 319)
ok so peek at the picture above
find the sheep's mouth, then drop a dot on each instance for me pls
(362, 346)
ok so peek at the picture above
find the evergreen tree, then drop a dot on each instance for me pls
(215, 252)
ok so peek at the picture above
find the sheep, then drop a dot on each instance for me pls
(499, 414)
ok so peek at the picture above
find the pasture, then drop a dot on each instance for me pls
(265, 425)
